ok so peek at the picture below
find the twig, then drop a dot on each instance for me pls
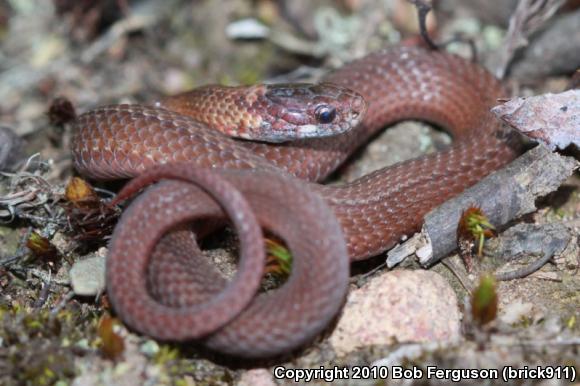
(104, 191)
(451, 267)
(503, 196)
(39, 219)
(524, 271)
(423, 9)
(372, 271)
(462, 39)
(62, 303)
(567, 342)
(292, 19)
(529, 17)
(11, 259)
(545, 241)
(44, 292)
(144, 15)
(47, 277)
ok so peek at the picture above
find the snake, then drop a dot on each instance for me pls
(190, 173)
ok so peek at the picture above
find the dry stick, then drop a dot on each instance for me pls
(524, 271)
(8, 260)
(453, 269)
(423, 8)
(44, 292)
(62, 303)
(465, 40)
(543, 241)
(503, 196)
(552, 51)
(291, 18)
(529, 17)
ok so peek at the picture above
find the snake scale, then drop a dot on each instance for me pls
(161, 284)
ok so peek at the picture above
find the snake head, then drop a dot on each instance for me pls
(274, 112)
(298, 111)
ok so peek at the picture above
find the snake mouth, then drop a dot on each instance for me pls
(314, 131)
(352, 119)
(355, 118)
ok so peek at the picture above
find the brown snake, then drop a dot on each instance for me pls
(164, 287)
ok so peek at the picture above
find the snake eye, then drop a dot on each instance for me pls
(325, 113)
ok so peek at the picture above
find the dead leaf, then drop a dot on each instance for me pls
(79, 192)
(41, 246)
(551, 119)
(112, 344)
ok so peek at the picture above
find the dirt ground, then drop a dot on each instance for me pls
(123, 51)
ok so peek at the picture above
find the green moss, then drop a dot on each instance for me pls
(165, 355)
(36, 345)
(203, 372)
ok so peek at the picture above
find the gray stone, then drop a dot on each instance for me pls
(87, 276)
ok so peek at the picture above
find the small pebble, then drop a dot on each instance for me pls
(150, 348)
(87, 276)
(256, 377)
(401, 305)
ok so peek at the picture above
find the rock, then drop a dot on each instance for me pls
(87, 276)
(402, 306)
(256, 377)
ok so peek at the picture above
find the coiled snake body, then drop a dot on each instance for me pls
(163, 286)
